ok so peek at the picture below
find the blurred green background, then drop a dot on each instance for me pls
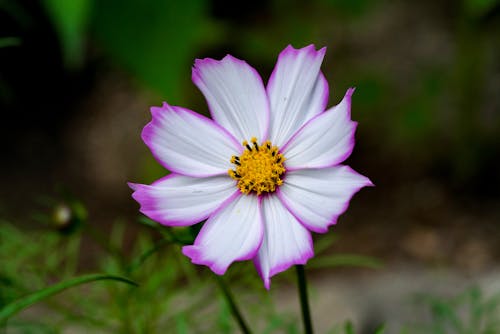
(427, 77)
(77, 79)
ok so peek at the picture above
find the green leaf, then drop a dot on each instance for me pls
(70, 19)
(22, 303)
(345, 260)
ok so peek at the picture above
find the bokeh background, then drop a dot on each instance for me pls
(77, 79)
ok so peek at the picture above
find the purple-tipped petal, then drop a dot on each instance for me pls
(188, 143)
(324, 141)
(235, 95)
(297, 91)
(178, 200)
(286, 242)
(233, 233)
(317, 197)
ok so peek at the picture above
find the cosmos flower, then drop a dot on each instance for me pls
(264, 172)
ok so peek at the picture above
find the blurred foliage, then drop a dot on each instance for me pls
(70, 19)
(349, 329)
(350, 7)
(153, 307)
(64, 212)
(477, 8)
(172, 293)
(26, 301)
(149, 38)
(155, 39)
(9, 41)
(349, 260)
(467, 313)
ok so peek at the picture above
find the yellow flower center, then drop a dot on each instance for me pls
(259, 168)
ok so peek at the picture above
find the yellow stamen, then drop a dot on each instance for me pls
(259, 168)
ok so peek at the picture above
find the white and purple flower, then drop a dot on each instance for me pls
(264, 171)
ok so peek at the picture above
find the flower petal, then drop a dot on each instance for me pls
(324, 141)
(286, 242)
(178, 200)
(297, 91)
(235, 95)
(233, 233)
(188, 143)
(317, 197)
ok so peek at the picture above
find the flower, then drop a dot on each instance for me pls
(265, 171)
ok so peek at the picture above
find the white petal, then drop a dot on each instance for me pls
(317, 197)
(178, 200)
(286, 242)
(297, 91)
(188, 143)
(235, 95)
(326, 140)
(233, 233)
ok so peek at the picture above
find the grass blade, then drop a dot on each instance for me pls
(28, 300)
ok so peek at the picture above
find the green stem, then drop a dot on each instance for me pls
(304, 303)
(232, 305)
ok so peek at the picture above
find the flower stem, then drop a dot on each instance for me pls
(304, 303)
(232, 305)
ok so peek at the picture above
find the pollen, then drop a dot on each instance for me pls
(259, 169)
